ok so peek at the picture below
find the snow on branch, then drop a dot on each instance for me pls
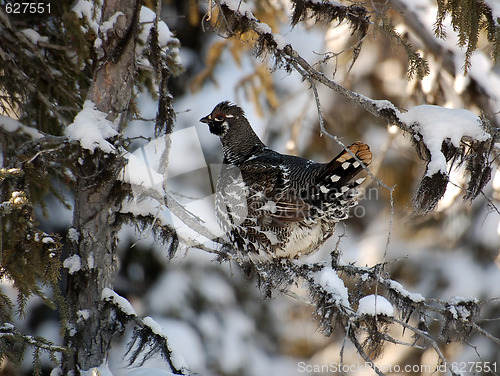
(148, 338)
(435, 124)
(444, 135)
(13, 344)
(92, 129)
(10, 125)
(373, 305)
(86, 10)
(166, 43)
(158, 49)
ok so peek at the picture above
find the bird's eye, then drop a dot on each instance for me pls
(219, 117)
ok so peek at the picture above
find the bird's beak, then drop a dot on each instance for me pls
(205, 119)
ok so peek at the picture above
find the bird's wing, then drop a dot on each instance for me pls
(264, 185)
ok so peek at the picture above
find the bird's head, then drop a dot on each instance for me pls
(225, 118)
(238, 139)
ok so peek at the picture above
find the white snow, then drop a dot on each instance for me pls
(147, 16)
(380, 103)
(56, 372)
(11, 125)
(331, 282)
(416, 297)
(18, 201)
(462, 300)
(102, 370)
(83, 314)
(457, 308)
(97, 43)
(73, 263)
(73, 235)
(138, 172)
(239, 344)
(34, 37)
(154, 326)
(462, 274)
(241, 7)
(85, 9)
(91, 129)
(266, 29)
(185, 343)
(437, 124)
(165, 36)
(375, 305)
(280, 41)
(147, 207)
(120, 301)
(90, 261)
(177, 358)
(48, 240)
(110, 23)
(7, 326)
(145, 165)
(18, 197)
(263, 28)
(143, 173)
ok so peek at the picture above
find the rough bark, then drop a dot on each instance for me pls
(91, 328)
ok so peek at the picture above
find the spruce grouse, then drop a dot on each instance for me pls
(273, 205)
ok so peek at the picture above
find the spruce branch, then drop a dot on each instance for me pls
(147, 338)
(13, 344)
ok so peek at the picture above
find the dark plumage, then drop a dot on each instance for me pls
(273, 205)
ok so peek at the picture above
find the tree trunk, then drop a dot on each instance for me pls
(96, 199)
